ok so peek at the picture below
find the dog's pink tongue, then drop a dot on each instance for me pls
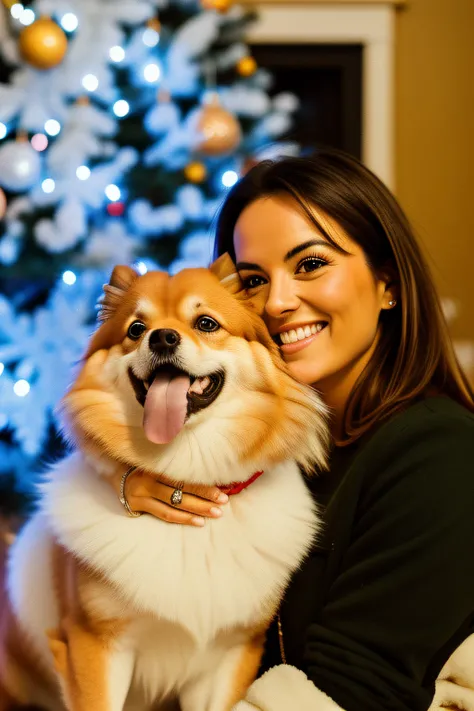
(165, 407)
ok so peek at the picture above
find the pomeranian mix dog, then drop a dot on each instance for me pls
(105, 612)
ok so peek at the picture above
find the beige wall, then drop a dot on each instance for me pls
(435, 140)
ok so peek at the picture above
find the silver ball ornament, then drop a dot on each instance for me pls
(20, 166)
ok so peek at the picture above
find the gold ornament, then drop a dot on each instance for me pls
(219, 5)
(195, 172)
(246, 66)
(8, 3)
(82, 101)
(154, 24)
(219, 130)
(43, 44)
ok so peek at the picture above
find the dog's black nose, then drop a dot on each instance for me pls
(164, 340)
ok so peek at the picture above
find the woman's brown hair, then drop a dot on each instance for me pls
(414, 355)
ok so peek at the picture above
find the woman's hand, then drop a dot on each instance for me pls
(145, 493)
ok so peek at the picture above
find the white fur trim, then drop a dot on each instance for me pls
(285, 687)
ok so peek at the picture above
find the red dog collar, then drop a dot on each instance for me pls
(237, 487)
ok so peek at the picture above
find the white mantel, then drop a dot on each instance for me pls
(370, 23)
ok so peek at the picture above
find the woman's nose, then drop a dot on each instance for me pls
(282, 297)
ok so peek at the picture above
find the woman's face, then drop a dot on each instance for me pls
(321, 304)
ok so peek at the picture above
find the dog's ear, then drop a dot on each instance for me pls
(224, 269)
(120, 282)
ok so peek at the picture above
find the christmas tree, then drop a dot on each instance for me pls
(122, 123)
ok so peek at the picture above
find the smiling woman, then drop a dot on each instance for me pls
(323, 285)
(323, 248)
(331, 248)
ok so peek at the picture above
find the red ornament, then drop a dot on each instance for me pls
(116, 209)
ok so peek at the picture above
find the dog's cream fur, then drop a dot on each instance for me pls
(129, 613)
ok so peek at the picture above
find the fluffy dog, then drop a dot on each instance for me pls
(105, 612)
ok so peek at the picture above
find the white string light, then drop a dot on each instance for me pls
(152, 73)
(52, 127)
(2, 368)
(113, 193)
(117, 53)
(27, 17)
(17, 10)
(69, 22)
(83, 172)
(229, 178)
(21, 388)
(3, 130)
(48, 185)
(90, 82)
(150, 37)
(121, 108)
(69, 277)
(141, 267)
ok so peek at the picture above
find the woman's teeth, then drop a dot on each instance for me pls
(300, 334)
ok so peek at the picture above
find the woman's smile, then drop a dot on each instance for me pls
(294, 337)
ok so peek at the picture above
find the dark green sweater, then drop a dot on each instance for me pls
(388, 593)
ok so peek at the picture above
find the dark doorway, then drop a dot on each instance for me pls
(328, 81)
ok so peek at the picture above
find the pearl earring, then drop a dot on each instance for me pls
(392, 303)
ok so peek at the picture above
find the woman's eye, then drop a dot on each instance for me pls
(253, 281)
(135, 330)
(207, 324)
(311, 265)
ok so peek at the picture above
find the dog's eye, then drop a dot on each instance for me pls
(135, 330)
(207, 324)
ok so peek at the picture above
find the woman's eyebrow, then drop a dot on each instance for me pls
(301, 247)
(251, 266)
